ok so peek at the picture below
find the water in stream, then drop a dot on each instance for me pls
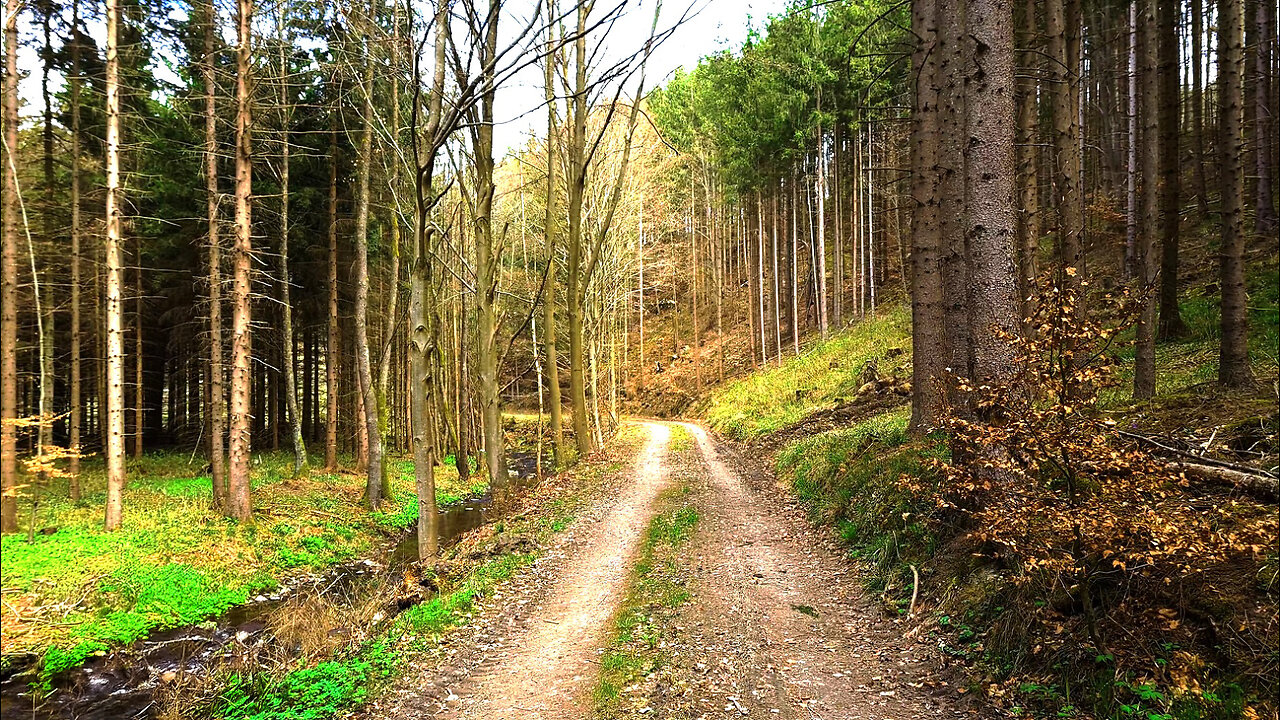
(125, 683)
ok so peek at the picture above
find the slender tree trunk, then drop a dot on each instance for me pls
(287, 342)
(77, 411)
(333, 350)
(821, 192)
(951, 158)
(9, 268)
(927, 336)
(1171, 325)
(1028, 159)
(1265, 222)
(1144, 372)
(115, 308)
(239, 504)
(1197, 104)
(577, 187)
(549, 299)
(1131, 156)
(217, 390)
(488, 258)
(44, 304)
(1234, 370)
(1062, 25)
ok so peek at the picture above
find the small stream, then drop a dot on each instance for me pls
(126, 683)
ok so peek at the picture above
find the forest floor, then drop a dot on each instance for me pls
(695, 590)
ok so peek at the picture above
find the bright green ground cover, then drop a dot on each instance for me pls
(312, 691)
(175, 561)
(819, 378)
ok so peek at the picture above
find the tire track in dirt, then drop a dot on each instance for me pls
(546, 671)
(779, 626)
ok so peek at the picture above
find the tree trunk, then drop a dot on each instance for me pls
(1265, 223)
(1234, 370)
(217, 391)
(239, 503)
(549, 224)
(990, 220)
(1171, 325)
(1028, 159)
(577, 187)
(1197, 104)
(287, 343)
(951, 166)
(114, 309)
(1062, 25)
(1144, 371)
(9, 267)
(333, 351)
(488, 258)
(77, 411)
(928, 364)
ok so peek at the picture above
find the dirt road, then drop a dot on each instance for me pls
(776, 625)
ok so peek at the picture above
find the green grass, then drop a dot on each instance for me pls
(80, 591)
(817, 379)
(657, 585)
(851, 478)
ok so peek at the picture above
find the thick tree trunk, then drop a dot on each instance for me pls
(217, 390)
(1234, 370)
(114, 378)
(927, 337)
(990, 219)
(9, 270)
(1171, 325)
(239, 503)
(1144, 372)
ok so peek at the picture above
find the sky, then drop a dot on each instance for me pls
(714, 25)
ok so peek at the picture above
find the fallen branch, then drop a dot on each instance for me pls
(1261, 487)
(1198, 459)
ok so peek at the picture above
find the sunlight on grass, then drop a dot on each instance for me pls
(817, 379)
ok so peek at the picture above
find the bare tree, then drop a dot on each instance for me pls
(9, 276)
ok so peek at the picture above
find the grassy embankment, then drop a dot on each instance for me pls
(77, 590)
(850, 478)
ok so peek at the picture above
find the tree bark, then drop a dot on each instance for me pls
(1144, 372)
(488, 257)
(9, 269)
(76, 419)
(1265, 222)
(114, 305)
(1197, 104)
(927, 335)
(1062, 26)
(989, 217)
(1028, 154)
(239, 503)
(217, 390)
(287, 343)
(333, 349)
(1170, 319)
(549, 300)
(1234, 370)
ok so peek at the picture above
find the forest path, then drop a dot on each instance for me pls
(534, 656)
(778, 625)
